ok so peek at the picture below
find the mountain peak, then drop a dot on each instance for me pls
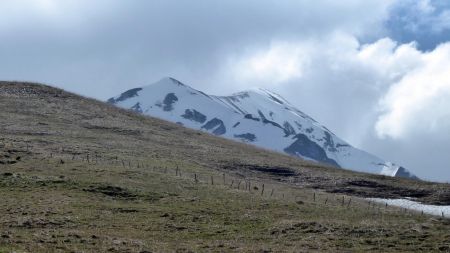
(168, 81)
(172, 80)
(257, 116)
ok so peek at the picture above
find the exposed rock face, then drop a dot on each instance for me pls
(246, 137)
(402, 172)
(168, 102)
(216, 125)
(137, 108)
(307, 148)
(288, 129)
(329, 143)
(124, 96)
(249, 116)
(194, 115)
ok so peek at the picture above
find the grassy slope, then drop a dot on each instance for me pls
(79, 175)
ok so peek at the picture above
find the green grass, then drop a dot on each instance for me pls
(54, 207)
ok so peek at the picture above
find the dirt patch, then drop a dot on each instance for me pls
(271, 170)
(112, 191)
(373, 189)
(125, 210)
(440, 198)
(124, 194)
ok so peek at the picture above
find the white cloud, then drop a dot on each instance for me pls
(419, 103)
(279, 63)
(400, 89)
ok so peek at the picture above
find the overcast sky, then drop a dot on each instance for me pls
(375, 72)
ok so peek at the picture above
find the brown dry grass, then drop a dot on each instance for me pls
(92, 177)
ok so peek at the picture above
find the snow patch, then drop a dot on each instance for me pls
(416, 206)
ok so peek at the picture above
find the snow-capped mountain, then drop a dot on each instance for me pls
(257, 116)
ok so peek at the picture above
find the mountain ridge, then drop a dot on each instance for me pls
(256, 116)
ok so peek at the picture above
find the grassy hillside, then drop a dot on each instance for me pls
(78, 175)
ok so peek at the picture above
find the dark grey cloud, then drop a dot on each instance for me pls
(112, 44)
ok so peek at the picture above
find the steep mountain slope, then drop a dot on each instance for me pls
(257, 116)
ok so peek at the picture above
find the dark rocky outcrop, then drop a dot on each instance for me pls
(307, 148)
(402, 172)
(194, 115)
(246, 137)
(217, 125)
(168, 102)
(137, 108)
(124, 96)
(266, 121)
(329, 143)
(176, 81)
(249, 116)
(275, 99)
(288, 129)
